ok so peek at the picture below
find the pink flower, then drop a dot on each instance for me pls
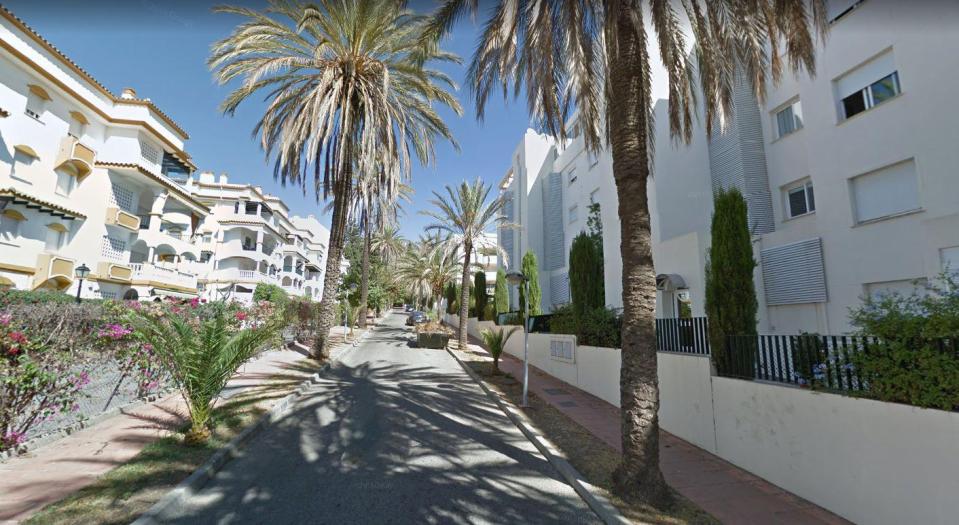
(5, 319)
(241, 316)
(18, 337)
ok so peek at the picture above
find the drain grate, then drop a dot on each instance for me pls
(556, 391)
(567, 404)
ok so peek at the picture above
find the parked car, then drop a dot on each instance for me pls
(416, 317)
(409, 308)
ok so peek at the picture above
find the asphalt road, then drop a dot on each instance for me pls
(393, 434)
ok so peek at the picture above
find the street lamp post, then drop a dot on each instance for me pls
(81, 273)
(518, 278)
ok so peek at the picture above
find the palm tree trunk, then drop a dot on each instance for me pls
(465, 295)
(638, 477)
(331, 281)
(365, 277)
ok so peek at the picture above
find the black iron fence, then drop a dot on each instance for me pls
(686, 335)
(826, 362)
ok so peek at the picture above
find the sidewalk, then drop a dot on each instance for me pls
(56, 470)
(729, 493)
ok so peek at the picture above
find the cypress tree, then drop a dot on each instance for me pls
(479, 291)
(531, 272)
(501, 294)
(451, 299)
(730, 291)
(586, 287)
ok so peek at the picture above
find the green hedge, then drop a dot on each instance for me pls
(594, 327)
(10, 296)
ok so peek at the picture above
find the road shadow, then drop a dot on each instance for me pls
(389, 442)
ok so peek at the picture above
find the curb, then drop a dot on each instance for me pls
(590, 494)
(202, 475)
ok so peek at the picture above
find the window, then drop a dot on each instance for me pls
(205, 256)
(800, 199)
(872, 95)
(10, 225)
(56, 237)
(573, 213)
(207, 237)
(868, 85)
(21, 166)
(64, 184)
(788, 119)
(836, 9)
(886, 192)
(571, 176)
(37, 99)
(949, 258)
(78, 124)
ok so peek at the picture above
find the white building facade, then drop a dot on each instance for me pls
(849, 179)
(849, 176)
(91, 179)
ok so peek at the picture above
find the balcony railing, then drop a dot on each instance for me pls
(152, 272)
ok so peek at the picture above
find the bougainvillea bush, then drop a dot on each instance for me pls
(44, 348)
(201, 346)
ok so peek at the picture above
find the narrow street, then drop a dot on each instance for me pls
(393, 434)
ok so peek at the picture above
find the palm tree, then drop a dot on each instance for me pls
(443, 267)
(412, 270)
(349, 91)
(464, 214)
(376, 208)
(594, 54)
(388, 244)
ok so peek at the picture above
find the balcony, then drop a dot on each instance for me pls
(53, 272)
(118, 217)
(75, 156)
(243, 276)
(160, 276)
(114, 271)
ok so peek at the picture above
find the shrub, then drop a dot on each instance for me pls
(495, 341)
(501, 294)
(531, 271)
(490, 313)
(45, 350)
(915, 356)
(596, 327)
(730, 293)
(10, 297)
(586, 286)
(479, 294)
(202, 346)
(451, 299)
(271, 293)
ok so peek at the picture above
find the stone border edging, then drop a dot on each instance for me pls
(202, 475)
(590, 494)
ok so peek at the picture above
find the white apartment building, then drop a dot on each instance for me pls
(549, 188)
(250, 238)
(849, 177)
(88, 178)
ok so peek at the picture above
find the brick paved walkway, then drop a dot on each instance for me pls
(729, 493)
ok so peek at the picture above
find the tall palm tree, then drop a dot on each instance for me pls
(412, 270)
(464, 213)
(594, 54)
(443, 266)
(349, 92)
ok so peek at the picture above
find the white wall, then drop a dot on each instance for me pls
(686, 398)
(869, 461)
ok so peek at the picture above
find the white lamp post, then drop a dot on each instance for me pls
(518, 278)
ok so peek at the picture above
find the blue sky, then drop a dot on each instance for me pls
(160, 49)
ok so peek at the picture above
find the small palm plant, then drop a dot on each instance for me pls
(202, 349)
(495, 341)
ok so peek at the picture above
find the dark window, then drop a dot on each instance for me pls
(854, 104)
(797, 202)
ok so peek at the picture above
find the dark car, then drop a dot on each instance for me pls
(415, 318)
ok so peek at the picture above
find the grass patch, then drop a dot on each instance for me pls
(591, 456)
(122, 494)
